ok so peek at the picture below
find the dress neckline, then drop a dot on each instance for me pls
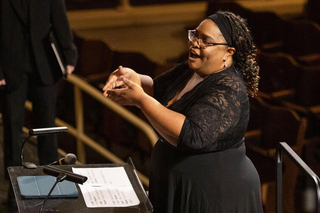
(192, 82)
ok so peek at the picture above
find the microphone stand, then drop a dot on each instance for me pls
(27, 165)
(60, 178)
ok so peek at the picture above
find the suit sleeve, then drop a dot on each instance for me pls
(1, 71)
(61, 28)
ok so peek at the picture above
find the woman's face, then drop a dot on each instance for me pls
(205, 61)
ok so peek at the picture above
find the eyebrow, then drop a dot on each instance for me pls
(206, 36)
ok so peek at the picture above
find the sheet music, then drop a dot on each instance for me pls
(107, 187)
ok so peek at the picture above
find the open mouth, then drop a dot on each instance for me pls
(194, 55)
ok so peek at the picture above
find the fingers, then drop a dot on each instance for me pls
(112, 84)
(117, 96)
(112, 81)
(119, 79)
(124, 83)
(121, 70)
(70, 69)
(129, 83)
(2, 82)
(129, 94)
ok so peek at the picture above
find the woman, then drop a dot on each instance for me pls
(200, 110)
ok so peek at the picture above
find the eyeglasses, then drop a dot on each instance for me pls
(203, 43)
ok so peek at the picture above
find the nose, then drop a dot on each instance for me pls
(197, 42)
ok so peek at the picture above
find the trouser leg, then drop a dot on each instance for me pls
(44, 110)
(12, 104)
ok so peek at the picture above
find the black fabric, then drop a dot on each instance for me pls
(44, 108)
(224, 26)
(18, 31)
(30, 69)
(208, 172)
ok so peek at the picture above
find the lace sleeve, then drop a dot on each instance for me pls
(211, 121)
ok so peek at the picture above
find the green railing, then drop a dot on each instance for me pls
(82, 139)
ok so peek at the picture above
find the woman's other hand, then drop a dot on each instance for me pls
(115, 79)
(130, 93)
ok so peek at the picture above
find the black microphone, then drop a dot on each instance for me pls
(47, 131)
(67, 160)
(70, 176)
(62, 174)
(39, 131)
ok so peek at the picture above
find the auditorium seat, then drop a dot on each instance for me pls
(307, 101)
(285, 82)
(260, 23)
(97, 60)
(214, 6)
(159, 2)
(271, 33)
(279, 76)
(267, 30)
(301, 40)
(312, 10)
(90, 4)
(276, 124)
(284, 79)
(95, 57)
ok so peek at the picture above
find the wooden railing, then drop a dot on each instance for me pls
(82, 139)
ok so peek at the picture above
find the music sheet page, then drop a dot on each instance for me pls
(107, 187)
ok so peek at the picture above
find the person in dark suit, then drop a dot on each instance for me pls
(29, 70)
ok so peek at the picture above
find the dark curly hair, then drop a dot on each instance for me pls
(245, 54)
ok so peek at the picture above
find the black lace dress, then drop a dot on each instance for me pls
(208, 172)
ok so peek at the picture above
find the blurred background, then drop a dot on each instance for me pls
(151, 37)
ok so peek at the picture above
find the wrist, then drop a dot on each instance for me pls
(144, 101)
(136, 78)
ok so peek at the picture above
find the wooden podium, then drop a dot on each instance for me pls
(76, 205)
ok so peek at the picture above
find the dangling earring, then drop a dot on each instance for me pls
(225, 63)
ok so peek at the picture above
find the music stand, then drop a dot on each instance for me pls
(76, 205)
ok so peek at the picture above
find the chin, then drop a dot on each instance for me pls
(193, 65)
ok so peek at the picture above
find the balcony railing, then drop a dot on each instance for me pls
(285, 148)
(82, 139)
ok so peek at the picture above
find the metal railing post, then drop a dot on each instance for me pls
(279, 181)
(78, 104)
(285, 148)
(124, 5)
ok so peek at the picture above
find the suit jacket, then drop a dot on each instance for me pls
(17, 31)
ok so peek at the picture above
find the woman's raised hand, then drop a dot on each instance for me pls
(115, 79)
(130, 93)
